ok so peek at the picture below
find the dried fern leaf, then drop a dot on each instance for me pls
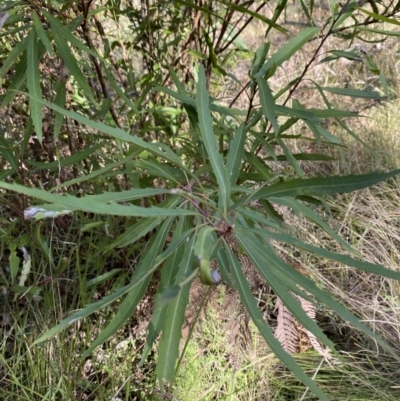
(309, 308)
(286, 332)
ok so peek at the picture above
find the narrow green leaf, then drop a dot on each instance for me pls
(346, 260)
(119, 92)
(60, 101)
(364, 94)
(313, 216)
(248, 300)
(287, 50)
(98, 172)
(272, 268)
(235, 154)
(137, 279)
(259, 57)
(291, 275)
(118, 133)
(72, 160)
(85, 204)
(17, 81)
(60, 30)
(102, 277)
(129, 304)
(168, 275)
(42, 34)
(380, 17)
(255, 15)
(135, 232)
(320, 186)
(330, 113)
(6, 149)
(168, 350)
(72, 65)
(267, 103)
(205, 249)
(207, 135)
(13, 55)
(33, 82)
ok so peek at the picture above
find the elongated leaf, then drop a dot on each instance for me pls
(259, 57)
(73, 67)
(205, 249)
(168, 275)
(60, 29)
(364, 94)
(346, 260)
(117, 133)
(134, 233)
(380, 17)
(137, 279)
(85, 204)
(8, 153)
(287, 50)
(16, 82)
(119, 92)
(98, 172)
(128, 306)
(323, 186)
(248, 300)
(60, 100)
(267, 103)
(33, 82)
(272, 269)
(207, 135)
(257, 16)
(42, 34)
(175, 318)
(75, 159)
(16, 51)
(235, 154)
(291, 275)
(313, 216)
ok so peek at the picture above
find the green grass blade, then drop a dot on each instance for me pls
(248, 300)
(267, 103)
(235, 154)
(207, 135)
(287, 50)
(33, 82)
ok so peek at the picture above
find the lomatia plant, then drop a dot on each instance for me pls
(198, 181)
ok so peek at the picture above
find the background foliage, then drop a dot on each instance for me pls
(159, 162)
